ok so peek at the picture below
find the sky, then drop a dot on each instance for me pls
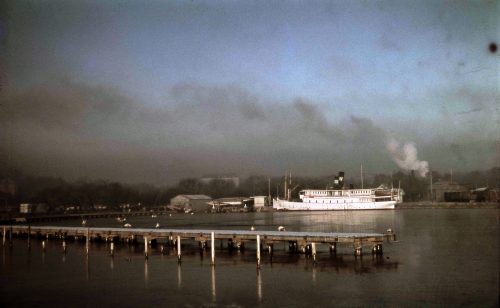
(156, 91)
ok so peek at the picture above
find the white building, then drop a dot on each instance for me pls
(191, 202)
(260, 201)
(26, 208)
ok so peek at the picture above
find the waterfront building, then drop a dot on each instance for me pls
(231, 204)
(260, 201)
(191, 202)
(444, 191)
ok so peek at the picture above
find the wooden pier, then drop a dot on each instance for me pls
(305, 242)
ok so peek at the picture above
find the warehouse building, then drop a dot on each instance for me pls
(191, 202)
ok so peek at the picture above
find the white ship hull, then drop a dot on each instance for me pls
(305, 206)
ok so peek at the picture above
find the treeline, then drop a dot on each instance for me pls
(86, 194)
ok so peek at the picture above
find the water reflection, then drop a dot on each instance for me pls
(179, 276)
(146, 272)
(347, 221)
(259, 286)
(214, 293)
(87, 267)
(314, 275)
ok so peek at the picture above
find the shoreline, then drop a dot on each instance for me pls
(448, 205)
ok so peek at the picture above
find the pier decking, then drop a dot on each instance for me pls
(298, 241)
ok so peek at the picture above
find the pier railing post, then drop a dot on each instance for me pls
(87, 245)
(313, 248)
(258, 251)
(29, 236)
(212, 247)
(333, 248)
(179, 248)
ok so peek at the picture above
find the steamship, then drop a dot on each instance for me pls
(339, 198)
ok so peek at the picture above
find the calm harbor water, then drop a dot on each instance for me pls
(444, 257)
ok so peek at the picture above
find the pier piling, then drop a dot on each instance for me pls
(313, 249)
(212, 247)
(333, 248)
(29, 237)
(178, 249)
(146, 247)
(87, 245)
(64, 245)
(258, 251)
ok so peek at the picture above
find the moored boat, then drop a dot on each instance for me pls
(339, 198)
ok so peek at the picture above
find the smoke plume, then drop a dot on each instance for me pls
(406, 157)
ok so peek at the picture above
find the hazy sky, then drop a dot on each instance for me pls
(159, 90)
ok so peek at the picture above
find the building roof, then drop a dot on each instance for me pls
(482, 189)
(233, 199)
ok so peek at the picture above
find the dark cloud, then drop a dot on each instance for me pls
(74, 130)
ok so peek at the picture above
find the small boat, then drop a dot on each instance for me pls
(281, 228)
(252, 228)
(84, 222)
(127, 225)
(157, 225)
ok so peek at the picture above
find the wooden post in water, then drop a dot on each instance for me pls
(88, 240)
(43, 245)
(29, 236)
(333, 248)
(146, 247)
(64, 245)
(258, 251)
(212, 247)
(179, 248)
(112, 249)
(313, 248)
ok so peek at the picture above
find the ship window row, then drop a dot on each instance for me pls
(362, 191)
(337, 201)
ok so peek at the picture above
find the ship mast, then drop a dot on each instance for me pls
(285, 195)
(362, 186)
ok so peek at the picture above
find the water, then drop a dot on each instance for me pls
(443, 258)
